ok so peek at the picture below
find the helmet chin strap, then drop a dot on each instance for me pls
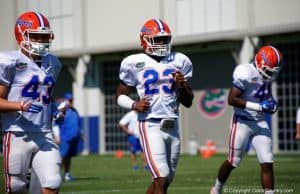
(34, 57)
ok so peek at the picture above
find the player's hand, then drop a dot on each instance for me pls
(142, 105)
(297, 137)
(269, 106)
(179, 80)
(30, 106)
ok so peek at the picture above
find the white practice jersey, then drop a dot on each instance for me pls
(27, 81)
(154, 81)
(247, 78)
(130, 120)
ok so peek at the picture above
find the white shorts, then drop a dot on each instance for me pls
(161, 147)
(30, 150)
(243, 131)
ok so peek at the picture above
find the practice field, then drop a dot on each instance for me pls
(105, 174)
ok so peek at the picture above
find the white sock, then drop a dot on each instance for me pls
(269, 191)
(218, 186)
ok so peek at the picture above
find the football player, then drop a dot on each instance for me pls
(252, 99)
(161, 79)
(27, 78)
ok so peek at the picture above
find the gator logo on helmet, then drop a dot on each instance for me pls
(211, 103)
(146, 30)
(21, 22)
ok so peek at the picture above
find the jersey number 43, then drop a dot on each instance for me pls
(32, 90)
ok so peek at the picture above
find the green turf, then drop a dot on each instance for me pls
(105, 174)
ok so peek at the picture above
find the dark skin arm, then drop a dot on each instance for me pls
(234, 98)
(141, 105)
(184, 90)
(298, 132)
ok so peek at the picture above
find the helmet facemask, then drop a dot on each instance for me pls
(269, 74)
(159, 45)
(268, 71)
(37, 42)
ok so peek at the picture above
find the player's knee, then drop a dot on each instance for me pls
(235, 157)
(235, 161)
(164, 173)
(52, 182)
(17, 185)
(266, 158)
(163, 170)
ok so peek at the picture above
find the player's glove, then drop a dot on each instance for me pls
(269, 106)
(30, 106)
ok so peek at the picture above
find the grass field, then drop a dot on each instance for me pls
(105, 174)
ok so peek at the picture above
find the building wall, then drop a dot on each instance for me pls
(109, 26)
(211, 32)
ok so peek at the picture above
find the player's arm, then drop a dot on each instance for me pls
(298, 131)
(298, 126)
(123, 99)
(184, 90)
(5, 105)
(234, 98)
(9, 106)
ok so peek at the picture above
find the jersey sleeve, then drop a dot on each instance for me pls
(240, 80)
(7, 69)
(187, 67)
(126, 74)
(298, 116)
(57, 66)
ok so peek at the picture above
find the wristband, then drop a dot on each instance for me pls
(253, 106)
(125, 102)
